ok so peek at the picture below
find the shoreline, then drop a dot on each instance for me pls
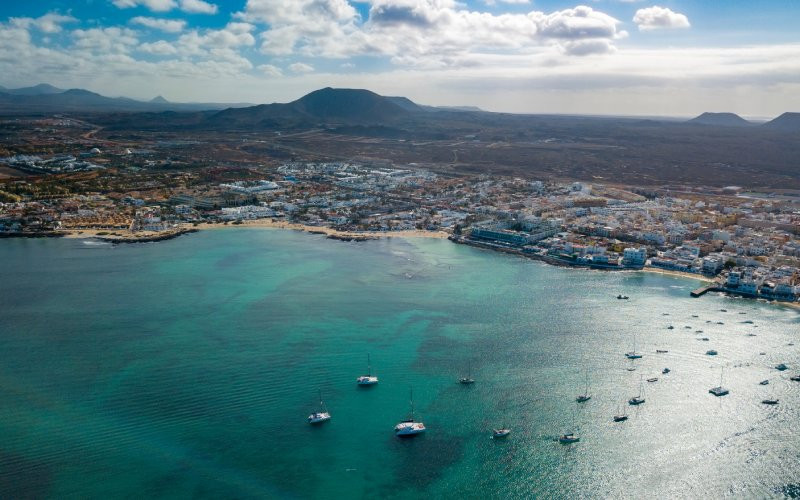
(146, 237)
(328, 231)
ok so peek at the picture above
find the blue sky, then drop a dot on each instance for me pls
(671, 57)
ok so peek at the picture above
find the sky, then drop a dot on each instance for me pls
(618, 57)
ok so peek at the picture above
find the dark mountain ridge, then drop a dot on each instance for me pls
(787, 122)
(721, 120)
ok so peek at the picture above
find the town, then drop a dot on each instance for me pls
(748, 243)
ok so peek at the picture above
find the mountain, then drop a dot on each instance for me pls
(789, 122)
(44, 98)
(41, 89)
(721, 120)
(325, 106)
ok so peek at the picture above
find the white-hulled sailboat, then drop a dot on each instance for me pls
(639, 399)
(719, 390)
(369, 378)
(320, 416)
(633, 354)
(582, 398)
(409, 427)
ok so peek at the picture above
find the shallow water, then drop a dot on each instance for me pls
(187, 368)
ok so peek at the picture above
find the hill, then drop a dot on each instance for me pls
(721, 120)
(325, 106)
(789, 122)
(45, 98)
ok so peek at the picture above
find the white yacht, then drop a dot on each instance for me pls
(501, 433)
(409, 427)
(633, 354)
(319, 416)
(568, 438)
(468, 379)
(638, 399)
(582, 398)
(369, 378)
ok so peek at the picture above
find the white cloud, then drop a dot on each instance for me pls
(166, 25)
(112, 40)
(510, 2)
(301, 68)
(159, 48)
(270, 70)
(655, 17)
(198, 7)
(48, 23)
(153, 5)
(188, 6)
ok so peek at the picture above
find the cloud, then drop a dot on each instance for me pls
(510, 2)
(655, 18)
(166, 25)
(270, 70)
(48, 23)
(153, 5)
(188, 6)
(198, 7)
(301, 68)
(159, 48)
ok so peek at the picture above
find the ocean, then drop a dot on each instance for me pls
(187, 368)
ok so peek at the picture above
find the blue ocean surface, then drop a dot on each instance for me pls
(187, 369)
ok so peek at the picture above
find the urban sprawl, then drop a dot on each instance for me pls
(746, 242)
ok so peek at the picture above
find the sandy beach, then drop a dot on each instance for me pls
(678, 274)
(275, 224)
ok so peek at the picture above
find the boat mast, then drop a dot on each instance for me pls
(411, 396)
(369, 366)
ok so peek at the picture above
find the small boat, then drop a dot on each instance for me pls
(633, 354)
(665, 371)
(409, 427)
(320, 416)
(711, 352)
(653, 379)
(622, 297)
(568, 438)
(670, 327)
(770, 401)
(723, 310)
(698, 331)
(695, 316)
(638, 399)
(582, 398)
(764, 382)
(719, 390)
(501, 433)
(688, 327)
(468, 379)
(795, 378)
(781, 367)
(665, 314)
(704, 339)
(720, 323)
(661, 351)
(369, 378)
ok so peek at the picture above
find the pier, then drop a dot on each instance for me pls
(703, 290)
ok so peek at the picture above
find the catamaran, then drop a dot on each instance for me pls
(369, 378)
(409, 427)
(320, 416)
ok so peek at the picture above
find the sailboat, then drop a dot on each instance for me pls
(585, 396)
(320, 416)
(719, 390)
(468, 379)
(367, 379)
(569, 437)
(621, 416)
(633, 354)
(637, 400)
(409, 427)
(501, 432)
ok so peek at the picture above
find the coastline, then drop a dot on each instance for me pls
(328, 231)
(677, 274)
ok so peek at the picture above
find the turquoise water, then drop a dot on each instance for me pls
(187, 368)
